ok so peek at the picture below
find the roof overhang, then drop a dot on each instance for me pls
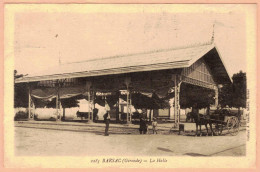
(157, 60)
(131, 69)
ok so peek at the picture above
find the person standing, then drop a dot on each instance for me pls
(143, 126)
(107, 118)
(95, 116)
(107, 121)
(195, 112)
(143, 123)
(154, 125)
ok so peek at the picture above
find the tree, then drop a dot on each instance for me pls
(239, 90)
(226, 95)
(20, 95)
(20, 92)
(234, 95)
(191, 94)
(70, 102)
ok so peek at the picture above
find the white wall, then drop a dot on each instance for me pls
(45, 113)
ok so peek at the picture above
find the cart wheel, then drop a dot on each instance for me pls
(233, 126)
(218, 129)
(229, 124)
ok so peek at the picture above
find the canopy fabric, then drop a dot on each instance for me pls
(109, 99)
(100, 101)
(147, 94)
(72, 92)
(162, 92)
(140, 101)
(44, 93)
(64, 93)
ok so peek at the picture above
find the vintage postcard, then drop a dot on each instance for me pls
(130, 85)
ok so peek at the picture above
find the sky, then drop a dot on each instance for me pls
(41, 38)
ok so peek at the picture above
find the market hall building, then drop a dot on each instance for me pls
(179, 76)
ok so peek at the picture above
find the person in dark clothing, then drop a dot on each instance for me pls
(107, 121)
(143, 122)
(107, 118)
(143, 126)
(95, 116)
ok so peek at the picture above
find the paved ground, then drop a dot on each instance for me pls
(81, 139)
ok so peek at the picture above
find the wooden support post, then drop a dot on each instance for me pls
(171, 102)
(151, 114)
(30, 104)
(127, 105)
(177, 84)
(178, 100)
(117, 109)
(88, 85)
(93, 105)
(121, 110)
(216, 97)
(57, 106)
(127, 82)
(175, 100)
(93, 100)
(89, 105)
(130, 108)
(58, 113)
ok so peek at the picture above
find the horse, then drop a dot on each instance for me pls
(189, 117)
(202, 120)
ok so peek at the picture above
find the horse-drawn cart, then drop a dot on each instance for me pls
(218, 121)
(222, 120)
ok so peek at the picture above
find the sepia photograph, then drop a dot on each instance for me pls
(127, 85)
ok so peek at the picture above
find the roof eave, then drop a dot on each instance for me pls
(130, 69)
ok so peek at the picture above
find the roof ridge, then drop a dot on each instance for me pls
(146, 52)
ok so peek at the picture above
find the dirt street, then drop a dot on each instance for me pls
(37, 142)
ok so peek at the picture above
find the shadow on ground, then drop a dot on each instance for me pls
(194, 154)
(164, 149)
(85, 130)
